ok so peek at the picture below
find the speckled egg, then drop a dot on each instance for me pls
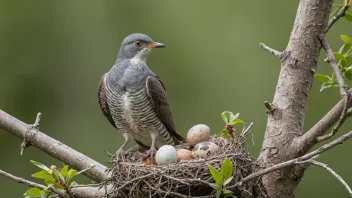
(166, 155)
(184, 154)
(204, 149)
(198, 133)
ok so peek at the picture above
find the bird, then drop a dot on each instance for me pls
(134, 99)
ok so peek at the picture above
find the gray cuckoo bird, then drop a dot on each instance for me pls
(134, 99)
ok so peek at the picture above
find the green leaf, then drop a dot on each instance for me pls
(324, 86)
(69, 176)
(323, 78)
(40, 165)
(348, 58)
(345, 47)
(224, 133)
(226, 168)
(218, 193)
(348, 17)
(49, 182)
(33, 192)
(228, 192)
(333, 77)
(342, 63)
(42, 194)
(338, 56)
(59, 176)
(217, 176)
(237, 121)
(348, 73)
(346, 39)
(216, 186)
(64, 170)
(228, 117)
(42, 175)
(227, 181)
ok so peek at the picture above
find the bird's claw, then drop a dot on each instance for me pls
(150, 153)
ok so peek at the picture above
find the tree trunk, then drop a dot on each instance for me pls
(285, 123)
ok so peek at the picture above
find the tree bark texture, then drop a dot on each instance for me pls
(285, 123)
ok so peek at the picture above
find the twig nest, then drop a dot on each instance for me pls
(184, 154)
(166, 155)
(204, 149)
(197, 134)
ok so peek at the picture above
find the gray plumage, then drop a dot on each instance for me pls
(134, 99)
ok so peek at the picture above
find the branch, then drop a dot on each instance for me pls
(53, 147)
(295, 161)
(338, 177)
(335, 67)
(342, 119)
(31, 184)
(309, 139)
(340, 14)
(272, 51)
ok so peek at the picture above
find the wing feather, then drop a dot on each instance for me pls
(103, 100)
(157, 94)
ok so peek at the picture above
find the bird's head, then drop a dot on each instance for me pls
(137, 47)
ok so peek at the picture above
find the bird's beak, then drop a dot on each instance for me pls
(155, 45)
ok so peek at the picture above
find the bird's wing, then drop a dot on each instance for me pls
(103, 101)
(157, 94)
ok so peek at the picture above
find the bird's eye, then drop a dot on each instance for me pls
(138, 43)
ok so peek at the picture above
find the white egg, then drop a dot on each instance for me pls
(204, 149)
(166, 155)
(198, 133)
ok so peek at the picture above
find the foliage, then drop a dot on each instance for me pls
(54, 179)
(343, 56)
(231, 120)
(222, 178)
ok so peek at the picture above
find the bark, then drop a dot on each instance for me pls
(285, 123)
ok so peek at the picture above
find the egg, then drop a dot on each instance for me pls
(166, 155)
(198, 133)
(204, 149)
(184, 154)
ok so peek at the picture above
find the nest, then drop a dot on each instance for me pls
(190, 178)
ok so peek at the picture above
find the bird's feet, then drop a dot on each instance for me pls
(118, 155)
(151, 153)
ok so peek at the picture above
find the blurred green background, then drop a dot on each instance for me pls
(53, 53)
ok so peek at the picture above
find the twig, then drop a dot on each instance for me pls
(53, 147)
(272, 51)
(35, 126)
(269, 107)
(294, 161)
(340, 14)
(335, 67)
(309, 139)
(31, 184)
(342, 119)
(246, 131)
(338, 177)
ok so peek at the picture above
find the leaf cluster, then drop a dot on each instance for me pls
(222, 178)
(344, 58)
(231, 120)
(54, 179)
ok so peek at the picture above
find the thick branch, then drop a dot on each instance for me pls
(309, 139)
(295, 161)
(53, 147)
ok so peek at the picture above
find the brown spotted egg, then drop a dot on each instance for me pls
(204, 149)
(197, 134)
